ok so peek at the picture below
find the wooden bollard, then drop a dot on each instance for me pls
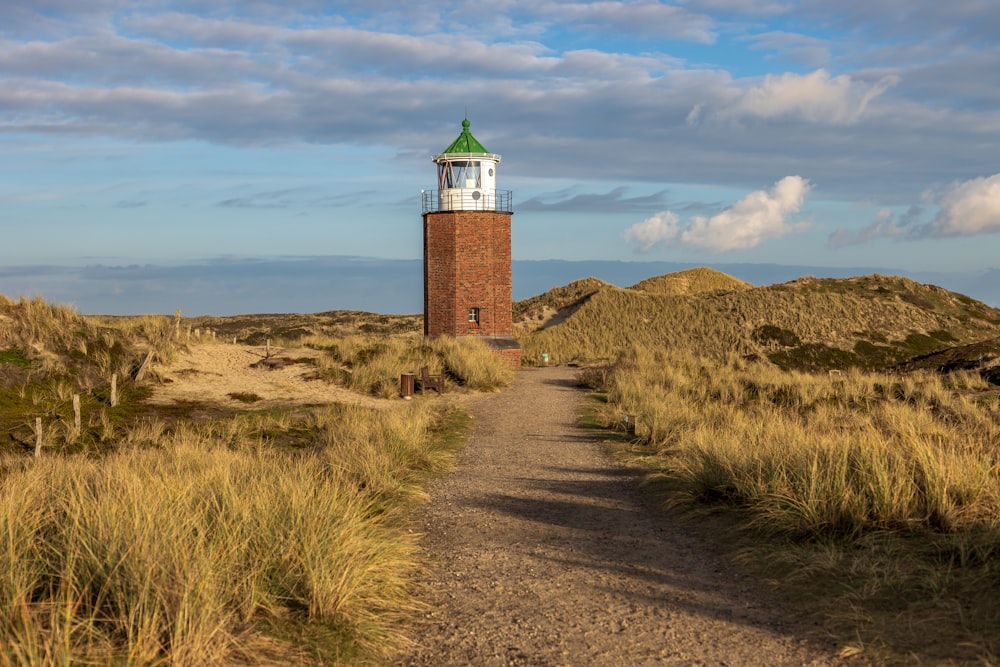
(38, 437)
(114, 389)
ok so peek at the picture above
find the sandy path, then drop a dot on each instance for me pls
(543, 555)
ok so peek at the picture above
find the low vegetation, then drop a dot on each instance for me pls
(370, 364)
(851, 429)
(851, 426)
(143, 536)
(276, 537)
(871, 322)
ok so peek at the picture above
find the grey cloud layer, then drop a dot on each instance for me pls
(392, 74)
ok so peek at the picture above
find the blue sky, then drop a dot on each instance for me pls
(188, 136)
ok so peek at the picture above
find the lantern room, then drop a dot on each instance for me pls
(466, 178)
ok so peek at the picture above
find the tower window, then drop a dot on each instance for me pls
(473, 316)
(460, 174)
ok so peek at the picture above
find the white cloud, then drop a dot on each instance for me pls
(815, 97)
(968, 208)
(758, 217)
(653, 231)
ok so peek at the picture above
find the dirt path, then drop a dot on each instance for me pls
(544, 555)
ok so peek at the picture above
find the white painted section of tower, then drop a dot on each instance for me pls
(476, 172)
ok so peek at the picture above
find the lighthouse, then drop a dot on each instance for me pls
(467, 252)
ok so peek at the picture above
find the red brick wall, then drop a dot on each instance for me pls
(511, 356)
(467, 265)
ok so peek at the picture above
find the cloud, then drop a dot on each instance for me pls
(565, 87)
(614, 201)
(758, 217)
(653, 231)
(814, 98)
(800, 48)
(969, 208)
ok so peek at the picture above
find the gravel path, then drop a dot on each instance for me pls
(544, 555)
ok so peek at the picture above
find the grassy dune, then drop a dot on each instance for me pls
(872, 495)
(872, 322)
(851, 426)
(252, 537)
(215, 546)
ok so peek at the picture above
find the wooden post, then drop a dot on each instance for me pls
(76, 414)
(38, 437)
(177, 324)
(144, 366)
(114, 389)
(267, 349)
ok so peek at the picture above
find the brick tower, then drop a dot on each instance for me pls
(467, 258)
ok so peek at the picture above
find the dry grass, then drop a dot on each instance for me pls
(255, 538)
(216, 539)
(882, 492)
(692, 281)
(372, 364)
(872, 322)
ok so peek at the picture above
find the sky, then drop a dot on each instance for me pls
(193, 154)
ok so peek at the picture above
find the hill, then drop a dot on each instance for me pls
(871, 322)
(692, 281)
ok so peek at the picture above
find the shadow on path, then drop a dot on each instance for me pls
(545, 554)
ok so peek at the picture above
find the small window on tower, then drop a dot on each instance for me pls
(474, 316)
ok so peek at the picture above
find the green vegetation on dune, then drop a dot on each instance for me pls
(873, 322)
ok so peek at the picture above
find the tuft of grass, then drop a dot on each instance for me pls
(898, 477)
(472, 363)
(15, 357)
(214, 543)
(373, 364)
(244, 396)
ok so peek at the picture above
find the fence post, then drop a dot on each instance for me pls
(141, 372)
(114, 389)
(38, 437)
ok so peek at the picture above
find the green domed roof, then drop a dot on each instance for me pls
(466, 143)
